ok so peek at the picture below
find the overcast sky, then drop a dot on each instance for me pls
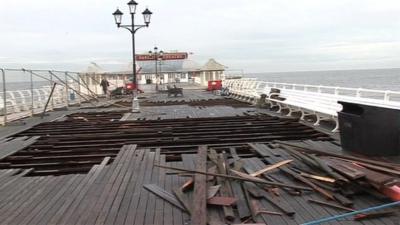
(254, 35)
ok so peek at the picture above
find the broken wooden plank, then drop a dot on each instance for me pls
(10, 147)
(329, 204)
(344, 168)
(180, 196)
(269, 168)
(221, 201)
(212, 191)
(367, 165)
(320, 190)
(199, 213)
(259, 193)
(242, 206)
(153, 188)
(225, 190)
(246, 178)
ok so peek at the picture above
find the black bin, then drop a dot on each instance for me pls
(370, 130)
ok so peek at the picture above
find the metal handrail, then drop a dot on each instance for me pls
(378, 97)
(16, 104)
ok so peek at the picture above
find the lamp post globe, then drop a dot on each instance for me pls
(147, 16)
(118, 17)
(132, 6)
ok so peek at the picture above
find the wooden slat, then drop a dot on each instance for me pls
(12, 212)
(66, 210)
(40, 207)
(199, 215)
(47, 213)
(113, 186)
(147, 216)
(122, 192)
(134, 184)
(10, 147)
(159, 208)
(102, 187)
(137, 197)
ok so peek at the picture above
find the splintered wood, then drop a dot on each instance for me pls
(91, 168)
(81, 140)
(199, 213)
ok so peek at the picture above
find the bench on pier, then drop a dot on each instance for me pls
(323, 106)
(174, 91)
(246, 95)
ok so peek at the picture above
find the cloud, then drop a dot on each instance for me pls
(257, 35)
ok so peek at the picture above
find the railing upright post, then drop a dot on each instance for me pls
(336, 90)
(79, 90)
(66, 88)
(32, 98)
(386, 97)
(95, 85)
(3, 72)
(51, 85)
(358, 93)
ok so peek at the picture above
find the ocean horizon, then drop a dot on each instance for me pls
(379, 79)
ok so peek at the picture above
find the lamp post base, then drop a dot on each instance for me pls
(135, 103)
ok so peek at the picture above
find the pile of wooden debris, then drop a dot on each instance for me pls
(225, 188)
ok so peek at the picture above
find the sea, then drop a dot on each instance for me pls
(22, 85)
(379, 79)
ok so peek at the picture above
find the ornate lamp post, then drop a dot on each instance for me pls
(133, 28)
(157, 55)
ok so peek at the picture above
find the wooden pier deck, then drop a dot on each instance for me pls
(108, 166)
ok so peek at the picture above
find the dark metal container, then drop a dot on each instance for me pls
(370, 130)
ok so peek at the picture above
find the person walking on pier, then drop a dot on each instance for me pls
(104, 84)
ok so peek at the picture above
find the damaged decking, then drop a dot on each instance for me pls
(91, 168)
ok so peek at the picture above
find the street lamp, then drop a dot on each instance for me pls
(133, 28)
(157, 55)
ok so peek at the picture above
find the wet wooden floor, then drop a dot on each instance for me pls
(112, 191)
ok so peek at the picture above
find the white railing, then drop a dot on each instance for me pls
(23, 103)
(321, 101)
(254, 88)
(16, 103)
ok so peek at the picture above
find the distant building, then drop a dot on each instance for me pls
(212, 70)
(168, 71)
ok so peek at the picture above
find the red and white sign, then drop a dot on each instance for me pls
(165, 56)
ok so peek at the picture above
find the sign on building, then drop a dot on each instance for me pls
(165, 56)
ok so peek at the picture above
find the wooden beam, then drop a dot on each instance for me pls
(199, 213)
(271, 167)
(246, 178)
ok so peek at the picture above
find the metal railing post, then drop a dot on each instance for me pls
(95, 85)
(51, 84)
(358, 93)
(66, 88)
(48, 100)
(3, 72)
(79, 90)
(386, 97)
(32, 97)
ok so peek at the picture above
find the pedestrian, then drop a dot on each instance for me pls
(104, 84)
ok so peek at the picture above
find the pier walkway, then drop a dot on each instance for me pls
(105, 165)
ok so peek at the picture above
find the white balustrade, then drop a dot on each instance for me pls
(21, 103)
(318, 100)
